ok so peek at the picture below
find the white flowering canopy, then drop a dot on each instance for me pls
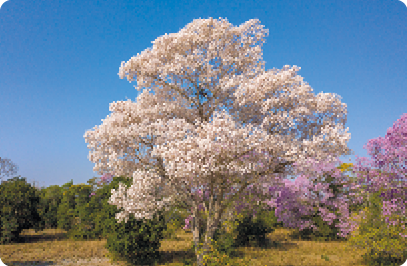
(174, 140)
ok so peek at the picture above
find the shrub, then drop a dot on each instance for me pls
(253, 230)
(134, 241)
(18, 209)
(104, 218)
(137, 241)
(224, 242)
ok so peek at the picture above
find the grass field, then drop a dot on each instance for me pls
(51, 247)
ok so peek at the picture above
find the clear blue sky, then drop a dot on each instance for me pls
(59, 62)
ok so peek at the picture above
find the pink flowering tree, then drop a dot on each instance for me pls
(173, 142)
(388, 185)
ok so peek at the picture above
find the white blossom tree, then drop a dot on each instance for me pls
(7, 167)
(190, 143)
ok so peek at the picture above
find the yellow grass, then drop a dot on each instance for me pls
(50, 247)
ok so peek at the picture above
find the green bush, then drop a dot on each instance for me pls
(253, 230)
(134, 241)
(137, 241)
(105, 218)
(382, 241)
(18, 209)
(224, 241)
(87, 216)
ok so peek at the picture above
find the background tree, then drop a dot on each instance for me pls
(19, 203)
(7, 168)
(51, 198)
(189, 141)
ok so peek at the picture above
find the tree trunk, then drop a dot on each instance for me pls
(202, 250)
(211, 226)
(195, 232)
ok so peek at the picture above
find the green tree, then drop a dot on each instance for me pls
(51, 198)
(19, 202)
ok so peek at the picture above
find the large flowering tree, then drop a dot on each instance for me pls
(181, 138)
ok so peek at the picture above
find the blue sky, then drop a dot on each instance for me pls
(59, 64)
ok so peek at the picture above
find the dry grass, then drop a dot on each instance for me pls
(50, 247)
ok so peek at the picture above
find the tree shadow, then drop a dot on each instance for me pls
(298, 236)
(188, 257)
(35, 238)
(30, 263)
(271, 244)
(183, 256)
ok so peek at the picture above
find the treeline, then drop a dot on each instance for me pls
(72, 208)
(85, 214)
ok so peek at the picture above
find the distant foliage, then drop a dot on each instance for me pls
(18, 209)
